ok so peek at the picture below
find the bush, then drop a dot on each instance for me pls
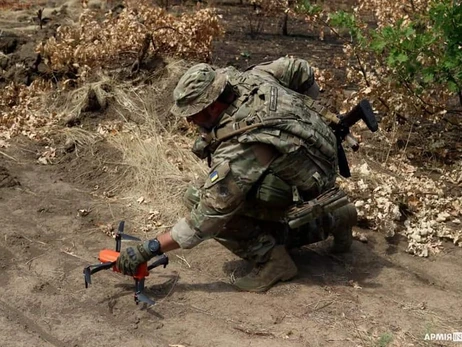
(405, 56)
(136, 31)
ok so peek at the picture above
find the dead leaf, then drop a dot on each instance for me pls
(354, 284)
(4, 144)
(84, 212)
(107, 229)
(43, 161)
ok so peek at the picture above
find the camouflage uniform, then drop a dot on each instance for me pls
(298, 149)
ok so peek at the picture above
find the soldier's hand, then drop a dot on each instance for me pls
(132, 257)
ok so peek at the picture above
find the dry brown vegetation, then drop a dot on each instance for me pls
(394, 199)
(105, 148)
(137, 31)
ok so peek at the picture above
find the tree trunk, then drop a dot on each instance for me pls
(284, 24)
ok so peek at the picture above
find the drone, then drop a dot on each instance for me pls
(108, 258)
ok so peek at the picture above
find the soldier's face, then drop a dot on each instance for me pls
(207, 118)
(202, 119)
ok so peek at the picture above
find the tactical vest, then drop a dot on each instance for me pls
(266, 112)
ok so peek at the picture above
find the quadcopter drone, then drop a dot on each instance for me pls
(108, 259)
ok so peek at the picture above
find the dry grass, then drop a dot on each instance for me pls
(79, 136)
(157, 159)
(74, 103)
(161, 162)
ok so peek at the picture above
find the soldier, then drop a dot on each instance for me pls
(267, 151)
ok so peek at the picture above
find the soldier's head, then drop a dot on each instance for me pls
(198, 96)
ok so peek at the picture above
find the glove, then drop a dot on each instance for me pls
(201, 148)
(132, 257)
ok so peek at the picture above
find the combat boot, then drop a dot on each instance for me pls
(344, 219)
(279, 267)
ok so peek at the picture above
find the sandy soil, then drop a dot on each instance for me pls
(377, 295)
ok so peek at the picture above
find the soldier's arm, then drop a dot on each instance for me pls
(292, 73)
(236, 168)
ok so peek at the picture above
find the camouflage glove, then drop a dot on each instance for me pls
(132, 257)
(201, 148)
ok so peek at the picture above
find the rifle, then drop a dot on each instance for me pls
(341, 125)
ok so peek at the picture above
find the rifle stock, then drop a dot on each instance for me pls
(362, 111)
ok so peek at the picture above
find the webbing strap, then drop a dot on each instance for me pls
(233, 129)
(323, 111)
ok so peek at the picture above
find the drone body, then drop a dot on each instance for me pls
(108, 259)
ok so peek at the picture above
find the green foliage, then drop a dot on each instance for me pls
(446, 16)
(385, 340)
(425, 54)
(418, 53)
(307, 8)
(345, 20)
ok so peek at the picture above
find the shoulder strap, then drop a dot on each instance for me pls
(236, 128)
(320, 109)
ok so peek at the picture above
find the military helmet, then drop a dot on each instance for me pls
(199, 87)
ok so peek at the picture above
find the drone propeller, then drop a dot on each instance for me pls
(108, 259)
(129, 237)
(120, 235)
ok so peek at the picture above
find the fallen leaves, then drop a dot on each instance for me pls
(95, 43)
(107, 229)
(3, 144)
(419, 207)
(47, 156)
(83, 212)
(23, 112)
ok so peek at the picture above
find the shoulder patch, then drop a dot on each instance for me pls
(214, 176)
(273, 104)
(217, 173)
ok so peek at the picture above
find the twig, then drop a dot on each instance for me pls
(250, 332)
(142, 53)
(391, 145)
(32, 241)
(316, 308)
(201, 310)
(27, 191)
(32, 259)
(408, 137)
(173, 286)
(183, 259)
(73, 255)
(9, 156)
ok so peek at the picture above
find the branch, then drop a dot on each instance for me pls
(362, 69)
(424, 103)
(142, 53)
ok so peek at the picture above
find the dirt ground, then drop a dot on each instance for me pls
(377, 295)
